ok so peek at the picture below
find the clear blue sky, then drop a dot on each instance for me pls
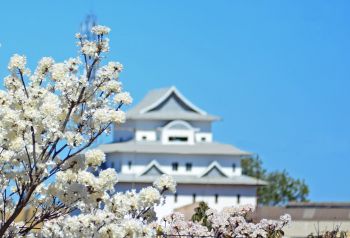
(276, 71)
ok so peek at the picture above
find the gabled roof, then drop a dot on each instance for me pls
(168, 104)
(214, 170)
(152, 168)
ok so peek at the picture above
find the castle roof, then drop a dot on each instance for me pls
(312, 211)
(192, 179)
(157, 147)
(167, 104)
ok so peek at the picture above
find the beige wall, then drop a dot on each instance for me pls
(305, 228)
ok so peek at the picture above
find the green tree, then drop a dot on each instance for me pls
(200, 215)
(281, 188)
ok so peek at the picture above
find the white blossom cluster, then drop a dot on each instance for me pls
(47, 120)
(176, 225)
(100, 30)
(122, 214)
(92, 49)
(94, 158)
(124, 98)
(230, 222)
(165, 182)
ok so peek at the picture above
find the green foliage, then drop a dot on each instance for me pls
(200, 215)
(281, 188)
(275, 234)
(253, 167)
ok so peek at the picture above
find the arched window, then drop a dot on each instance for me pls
(178, 132)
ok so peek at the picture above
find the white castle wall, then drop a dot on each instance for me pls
(227, 196)
(145, 135)
(151, 129)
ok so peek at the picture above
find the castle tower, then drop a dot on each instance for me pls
(165, 133)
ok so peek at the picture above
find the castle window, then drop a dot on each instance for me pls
(178, 138)
(204, 139)
(193, 198)
(144, 137)
(233, 167)
(216, 198)
(177, 132)
(175, 166)
(175, 197)
(188, 166)
(238, 198)
(129, 165)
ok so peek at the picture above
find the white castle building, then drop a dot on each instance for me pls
(166, 134)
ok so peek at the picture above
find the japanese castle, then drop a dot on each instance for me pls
(167, 134)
